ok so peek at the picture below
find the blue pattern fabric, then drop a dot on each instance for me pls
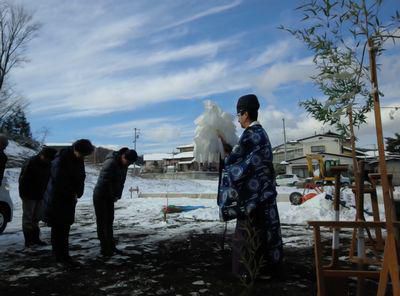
(247, 193)
(248, 178)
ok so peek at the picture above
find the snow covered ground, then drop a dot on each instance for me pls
(146, 213)
(140, 226)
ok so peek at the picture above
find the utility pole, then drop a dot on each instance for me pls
(136, 136)
(284, 137)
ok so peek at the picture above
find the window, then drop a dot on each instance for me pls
(318, 148)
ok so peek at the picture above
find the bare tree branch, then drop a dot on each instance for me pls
(16, 30)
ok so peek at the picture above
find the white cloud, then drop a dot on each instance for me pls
(94, 57)
(124, 95)
(297, 124)
(163, 133)
(274, 52)
(98, 61)
(390, 124)
(159, 130)
(282, 73)
(300, 124)
(125, 129)
(204, 13)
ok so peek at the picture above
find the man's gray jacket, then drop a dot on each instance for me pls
(110, 183)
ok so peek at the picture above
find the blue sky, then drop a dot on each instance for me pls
(100, 68)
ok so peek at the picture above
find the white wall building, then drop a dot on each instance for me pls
(330, 145)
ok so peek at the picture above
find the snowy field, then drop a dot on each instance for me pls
(142, 233)
(145, 213)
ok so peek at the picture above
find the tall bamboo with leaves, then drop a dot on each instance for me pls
(339, 33)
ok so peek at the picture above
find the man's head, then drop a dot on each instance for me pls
(128, 156)
(47, 154)
(247, 109)
(3, 142)
(82, 148)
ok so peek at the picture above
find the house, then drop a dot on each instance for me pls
(155, 162)
(330, 145)
(181, 161)
(184, 159)
(392, 166)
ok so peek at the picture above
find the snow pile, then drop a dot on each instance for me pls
(17, 154)
(14, 149)
(317, 208)
(207, 145)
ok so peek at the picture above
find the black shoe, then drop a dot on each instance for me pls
(71, 262)
(28, 244)
(40, 243)
(118, 252)
(107, 253)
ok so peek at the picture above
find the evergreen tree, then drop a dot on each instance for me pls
(16, 124)
(23, 127)
(393, 144)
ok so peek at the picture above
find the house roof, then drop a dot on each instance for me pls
(184, 154)
(328, 134)
(375, 153)
(388, 158)
(185, 146)
(134, 166)
(186, 162)
(357, 151)
(187, 154)
(156, 156)
(323, 153)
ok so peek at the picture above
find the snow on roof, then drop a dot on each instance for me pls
(328, 135)
(326, 153)
(134, 166)
(185, 146)
(357, 151)
(156, 156)
(186, 162)
(184, 154)
(375, 153)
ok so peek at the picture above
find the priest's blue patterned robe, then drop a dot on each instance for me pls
(247, 192)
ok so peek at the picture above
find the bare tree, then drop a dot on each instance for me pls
(42, 134)
(9, 100)
(17, 28)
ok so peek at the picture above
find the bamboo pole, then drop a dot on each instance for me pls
(390, 258)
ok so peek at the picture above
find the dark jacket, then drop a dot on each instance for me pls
(33, 178)
(66, 184)
(110, 183)
(3, 160)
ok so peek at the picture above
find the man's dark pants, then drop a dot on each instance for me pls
(32, 213)
(104, 209)
(59, 241)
